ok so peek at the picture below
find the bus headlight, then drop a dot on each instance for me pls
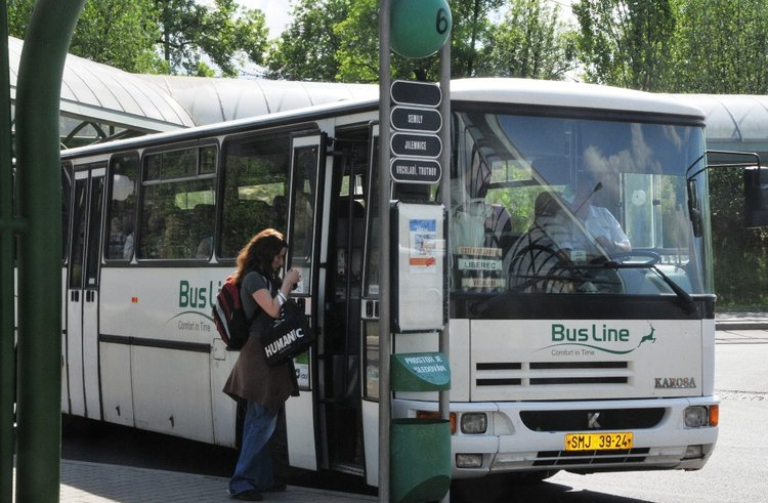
(696, 417)
(474, 422)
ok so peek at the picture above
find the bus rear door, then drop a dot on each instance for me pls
(82, 295)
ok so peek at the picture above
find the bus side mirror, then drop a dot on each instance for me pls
(755, 197)
(694, 208)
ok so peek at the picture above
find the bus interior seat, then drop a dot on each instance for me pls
(201, 229)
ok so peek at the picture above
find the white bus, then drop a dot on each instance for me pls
(596, 361)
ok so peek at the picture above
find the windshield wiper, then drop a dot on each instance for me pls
(688, 304)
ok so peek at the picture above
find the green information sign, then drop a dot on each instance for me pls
(420, 372)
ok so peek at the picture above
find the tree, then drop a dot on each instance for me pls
(626, 43)
(721, 46)
(222, 33)
(307, 49)
(530, 42)
(358, 55)
(470, 29)
(117, 33)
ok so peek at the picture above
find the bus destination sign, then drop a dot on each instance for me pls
(407, 170)
(418, 145)
(422, 120)
(425, 94)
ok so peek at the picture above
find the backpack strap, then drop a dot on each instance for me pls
(258, 310)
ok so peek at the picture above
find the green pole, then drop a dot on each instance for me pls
(385, 393)
(39, 284)
(7, 353)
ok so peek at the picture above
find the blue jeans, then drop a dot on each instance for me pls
(254, 466)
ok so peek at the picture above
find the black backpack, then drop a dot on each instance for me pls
(229, 315)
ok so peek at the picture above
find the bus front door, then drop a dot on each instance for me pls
(82, 294)
(340, 364)
(302, 230)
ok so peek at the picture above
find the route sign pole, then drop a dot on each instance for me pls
(444, 345)
(421, 148)
(385, 410)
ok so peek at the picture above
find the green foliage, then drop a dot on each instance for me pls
(162, 36)
(223, 33)
(471, 25)
(307, 49)
(338, 40)
(531, 42)
(626, 43)
(358, 56)
(721, 47)
(119, 33)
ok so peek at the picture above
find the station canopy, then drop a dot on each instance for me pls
(99, 102)
(734, 121)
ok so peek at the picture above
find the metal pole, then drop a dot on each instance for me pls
(445, 193)
(384, 259)
(7, 352)
(39, 305)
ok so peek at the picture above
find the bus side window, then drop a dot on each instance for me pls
(256, 173)
(175, 182)
(124, 172)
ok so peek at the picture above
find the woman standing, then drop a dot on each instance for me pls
(264, 388)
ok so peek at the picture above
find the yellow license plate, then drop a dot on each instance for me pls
(598, 441)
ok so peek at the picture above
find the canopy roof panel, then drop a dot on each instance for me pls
(212, 100)
(732, 118)
(99, 92)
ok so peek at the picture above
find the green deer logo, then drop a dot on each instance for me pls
(649, 337)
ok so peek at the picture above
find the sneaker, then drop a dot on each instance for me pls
(249, 495)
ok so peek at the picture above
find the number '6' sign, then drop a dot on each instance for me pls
(419, 28)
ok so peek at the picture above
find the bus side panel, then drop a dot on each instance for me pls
(170, 392)
(301, 441)
(117, 324)
(117, 402)
(64, 383)
(371, 441)
(224, 407)
(74, 345)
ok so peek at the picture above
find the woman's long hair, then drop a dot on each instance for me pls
(259, 253)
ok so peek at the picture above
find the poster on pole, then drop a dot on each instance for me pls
(419, 272)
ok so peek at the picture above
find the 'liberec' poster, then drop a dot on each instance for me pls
(424, 246)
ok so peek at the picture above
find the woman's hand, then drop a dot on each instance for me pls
(292, 276)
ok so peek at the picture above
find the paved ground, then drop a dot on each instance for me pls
(83, 482)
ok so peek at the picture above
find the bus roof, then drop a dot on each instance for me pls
(503, 91)
(571, 95)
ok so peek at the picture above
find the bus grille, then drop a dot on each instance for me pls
(564, 458)
(578, 420)
(551, 373)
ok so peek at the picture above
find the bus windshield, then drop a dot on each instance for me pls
(574, 205)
